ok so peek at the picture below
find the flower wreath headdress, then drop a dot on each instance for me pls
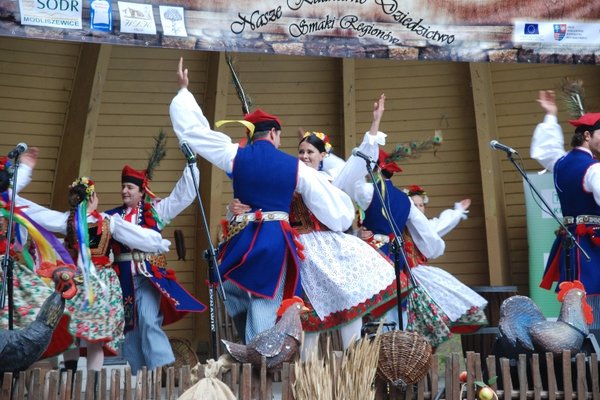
(321, 136)
(89, 185)
(416, 190)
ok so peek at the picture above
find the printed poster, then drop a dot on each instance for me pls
(137, 18)
(65, 14)
(172, 21)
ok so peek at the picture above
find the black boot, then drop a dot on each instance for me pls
(71, 365)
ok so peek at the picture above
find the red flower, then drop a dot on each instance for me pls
(149, 219)
(416, 189)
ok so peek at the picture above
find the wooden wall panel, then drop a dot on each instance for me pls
(302, 91)
(36, 79)
(515, 92)
(420, 98)
(139, 86)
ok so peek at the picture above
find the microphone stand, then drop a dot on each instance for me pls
(569, 240)
(7, 261)
(397, 244)
(210, 255)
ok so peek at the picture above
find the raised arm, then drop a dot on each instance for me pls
(190, 125)
(378, 109)
(182, 195)
(547, 144)
(28, 161)
(356, 167)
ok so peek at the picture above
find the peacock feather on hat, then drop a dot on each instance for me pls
(158, 152)
(573, 96)
(245, 99)
(414, 148)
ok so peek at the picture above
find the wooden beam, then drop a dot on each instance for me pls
(211, 181)
(215, 109)
(77, 144)
(349, 106)
(491, 174)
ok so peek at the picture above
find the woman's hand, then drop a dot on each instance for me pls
(182, 75)
(547, 100)
(30, 157)
(93, 202)
(465, 204)
(378, 109)
(365, 234)
(236, 207)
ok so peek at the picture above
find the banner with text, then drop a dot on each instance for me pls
(459, 30)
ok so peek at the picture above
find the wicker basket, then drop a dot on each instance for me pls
(184, 355)
(404, 357)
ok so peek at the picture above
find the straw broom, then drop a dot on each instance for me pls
(358, 369)
(314, 378)
(320, 378)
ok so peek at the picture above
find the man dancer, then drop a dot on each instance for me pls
(258, 260)
(577, 182)
(151, 295)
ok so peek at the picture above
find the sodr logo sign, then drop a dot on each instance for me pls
(53, 13)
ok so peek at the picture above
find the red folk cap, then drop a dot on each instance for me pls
(389, 166)
(137, 177)
(263, 121)
(587, 119)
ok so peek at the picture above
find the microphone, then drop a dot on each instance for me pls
(18, 150)
(356, 152)
(496, 145)
(187, 152)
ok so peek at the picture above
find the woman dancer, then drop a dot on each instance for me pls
(97, 317)
(463, 306)
(448, 219)
(31, 249)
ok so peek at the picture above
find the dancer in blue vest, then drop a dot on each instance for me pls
(577, 182)
(375, 226)
(152, 297)
(259, 258)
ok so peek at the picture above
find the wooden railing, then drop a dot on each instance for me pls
(535, 377)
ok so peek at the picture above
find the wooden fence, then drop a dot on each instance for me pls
(534, 377)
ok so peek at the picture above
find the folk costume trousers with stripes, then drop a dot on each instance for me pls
(252, 314)
(147, 344)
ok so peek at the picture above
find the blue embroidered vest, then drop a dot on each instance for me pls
(256, 258)
(399, 206)
(568, 179)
